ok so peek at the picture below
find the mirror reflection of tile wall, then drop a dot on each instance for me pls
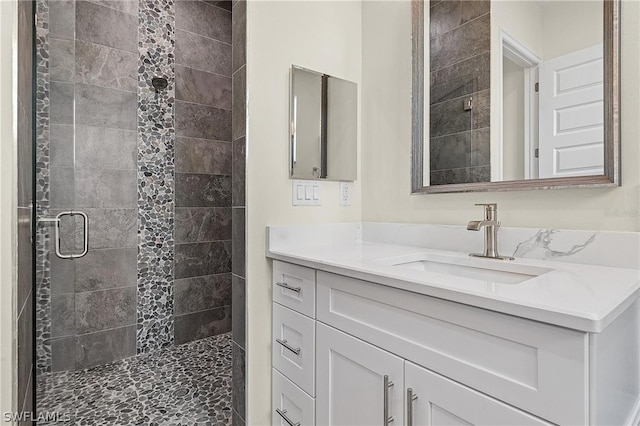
(459, 56)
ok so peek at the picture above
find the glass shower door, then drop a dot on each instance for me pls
(86, 200)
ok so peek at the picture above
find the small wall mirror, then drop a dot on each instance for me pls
(323, 126)
(511, 95)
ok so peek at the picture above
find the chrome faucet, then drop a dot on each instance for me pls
(490, 225)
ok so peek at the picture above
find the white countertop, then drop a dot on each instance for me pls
(576, 296)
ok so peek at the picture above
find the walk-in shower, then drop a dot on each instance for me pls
(133, 207)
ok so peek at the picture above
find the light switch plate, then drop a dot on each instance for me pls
(306, 193)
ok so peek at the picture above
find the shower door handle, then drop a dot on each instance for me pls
(85, 238)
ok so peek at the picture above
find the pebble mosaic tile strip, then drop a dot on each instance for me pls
(42, 180)
(156, 174)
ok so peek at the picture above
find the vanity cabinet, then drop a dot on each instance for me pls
(293, 351)
(356, 375)
(291, 405)
(436, 400)
(293, 345)
(540, 368)
(295, 287)
(358, 383)
(371, 343)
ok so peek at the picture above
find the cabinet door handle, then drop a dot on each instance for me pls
(286, 345)
(288, 287)
(410, 398)
(386, 383)
(283, 414)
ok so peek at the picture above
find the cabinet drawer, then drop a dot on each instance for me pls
(295, 287)
(294, 337)
(290, 402)
(440, 401)
(541, 368)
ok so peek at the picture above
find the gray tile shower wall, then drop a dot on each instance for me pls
(104, 347)
(203, 161)
(459, 33)
(201, 155)
(104, 26)
(24, 301)
(93, 168)
(60, 16)
(153, 171)
(92, 165)
(238, 199)
(106, 67)
(238, 389)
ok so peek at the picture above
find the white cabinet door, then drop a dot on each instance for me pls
(439, 401)
(350, 381)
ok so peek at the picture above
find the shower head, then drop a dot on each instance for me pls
(159, 83)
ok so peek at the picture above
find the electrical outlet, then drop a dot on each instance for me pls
(345, 190)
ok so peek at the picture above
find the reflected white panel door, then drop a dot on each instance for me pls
(572, 114)
(350, 381)
(439, 401)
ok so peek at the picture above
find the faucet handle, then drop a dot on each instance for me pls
(490, 211)
(488, 206)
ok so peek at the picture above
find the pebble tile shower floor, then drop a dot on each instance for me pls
(188, 384)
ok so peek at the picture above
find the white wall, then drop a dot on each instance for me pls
(570, 25)
(8, 207)
(386, 105)
(521, 20)
(513, 121)
(322, 36)
(387, 146)
(349, 40)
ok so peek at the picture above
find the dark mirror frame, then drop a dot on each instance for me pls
(612, 175)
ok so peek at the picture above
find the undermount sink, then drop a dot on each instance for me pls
(494, 271)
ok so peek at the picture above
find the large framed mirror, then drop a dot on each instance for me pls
(515, 95)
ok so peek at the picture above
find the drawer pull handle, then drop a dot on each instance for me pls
(283, 414)
(410, 398)
(288, 287)
(385, 408)
(286, 345)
